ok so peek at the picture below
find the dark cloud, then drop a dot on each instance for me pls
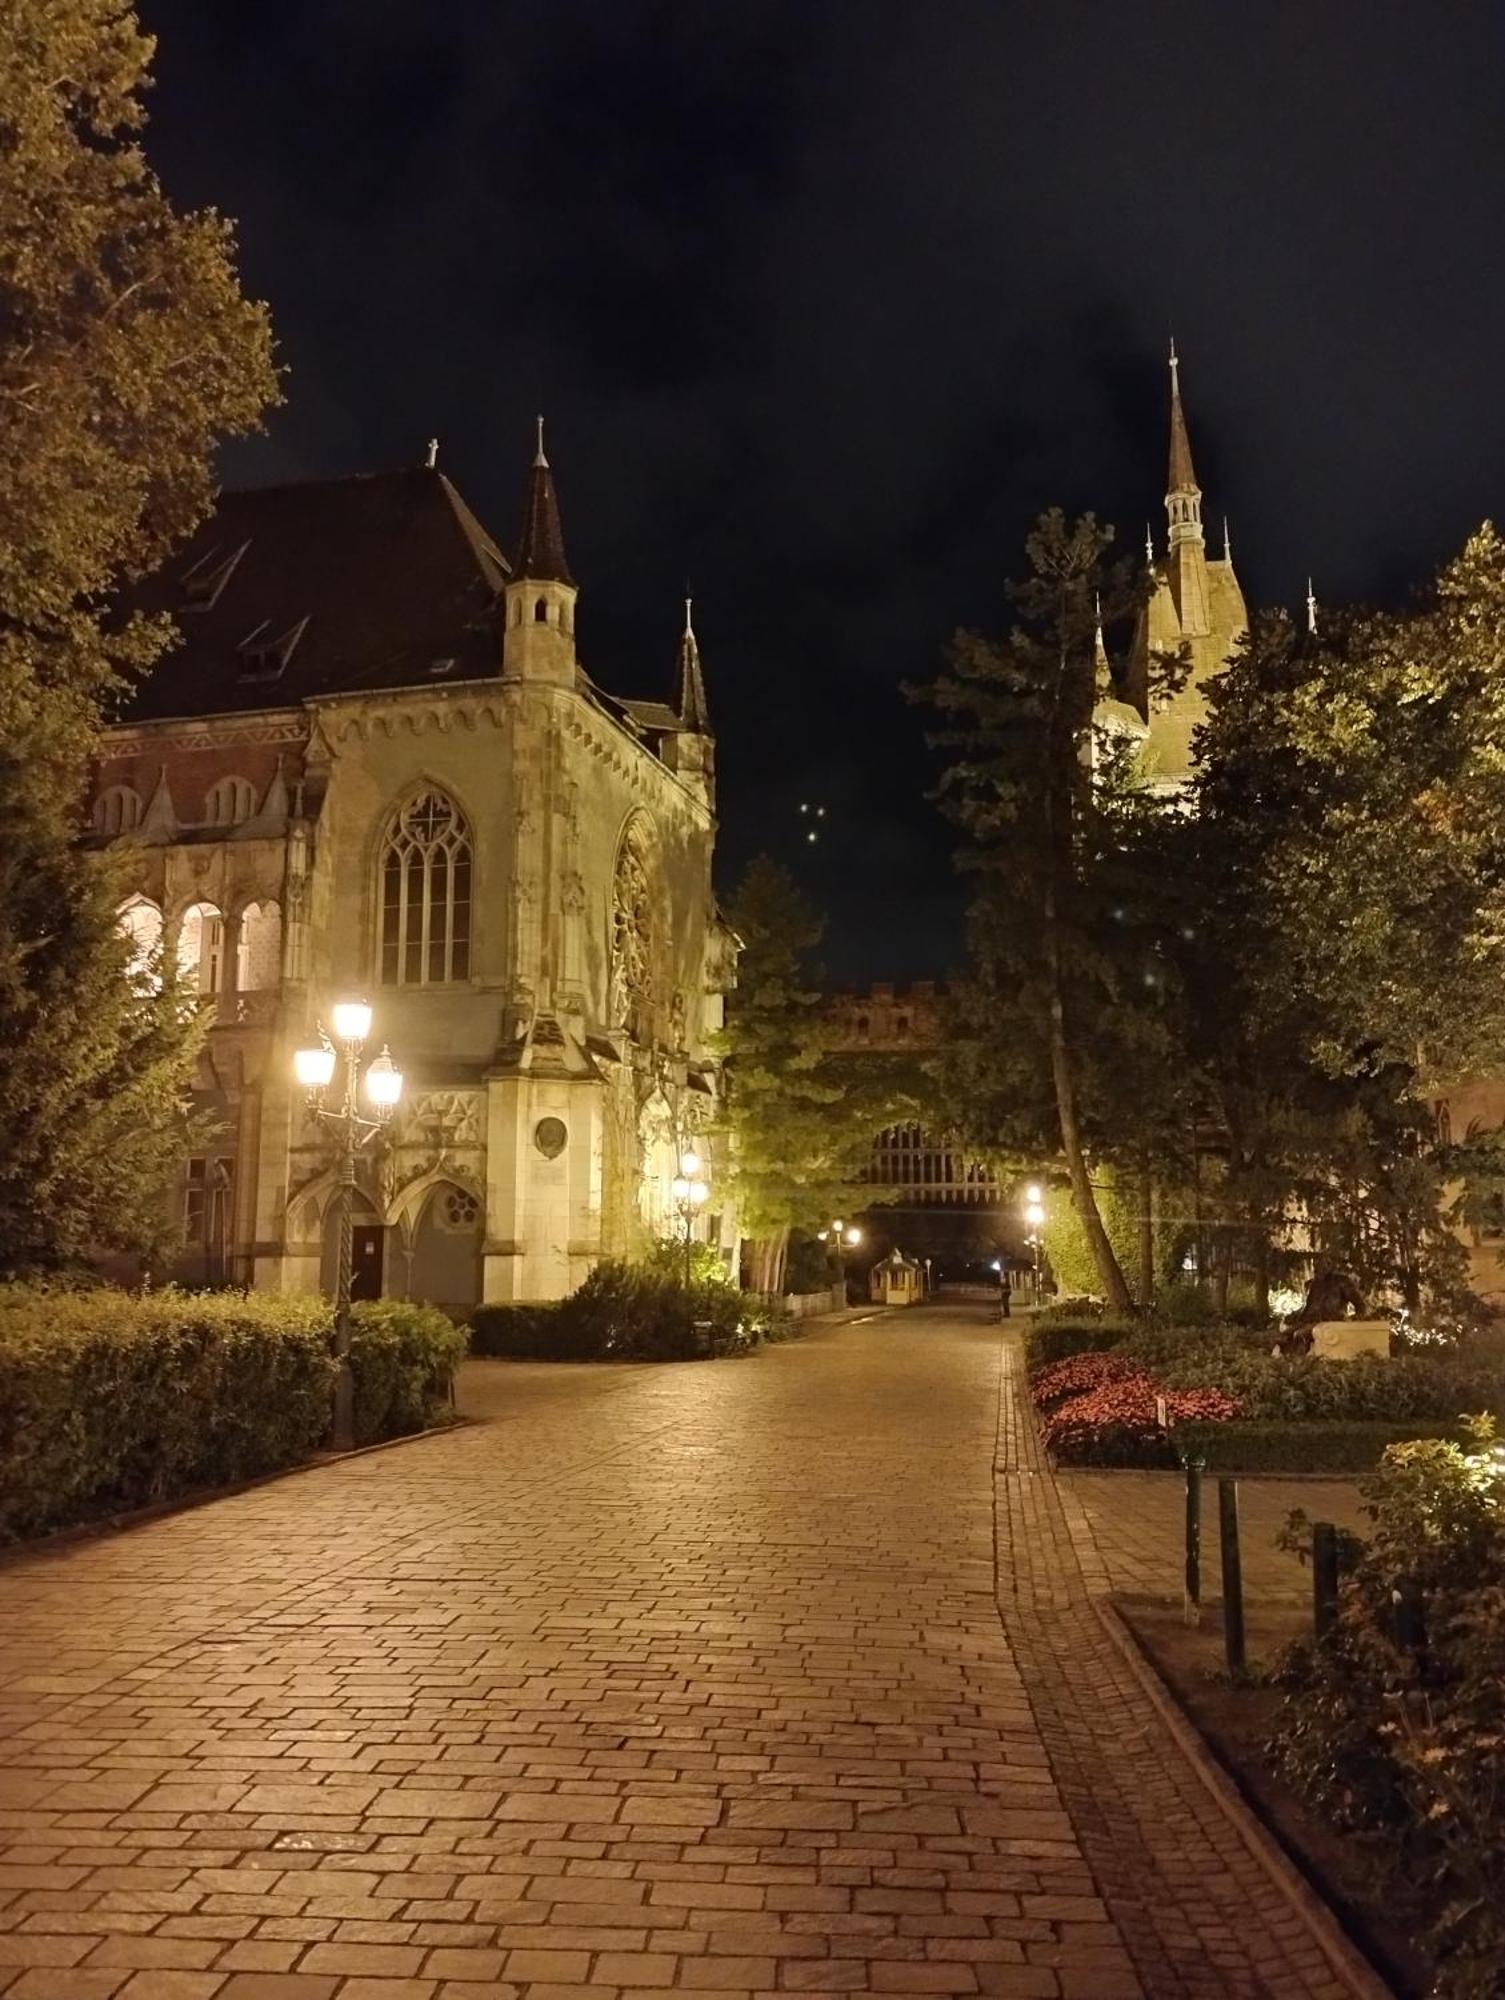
(826, 299)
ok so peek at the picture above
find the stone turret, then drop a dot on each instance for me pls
(538, 641)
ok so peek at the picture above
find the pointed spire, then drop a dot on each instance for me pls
(1227, 544)
(1311, 608)
(1102, 671)
(1149, 545)
(1182, 477)
(694, 713)
(431, 456)
(540, 546)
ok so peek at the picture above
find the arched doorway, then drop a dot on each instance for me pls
(368, 1251)
(445, 1268)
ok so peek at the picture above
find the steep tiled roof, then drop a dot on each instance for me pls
(335, 586)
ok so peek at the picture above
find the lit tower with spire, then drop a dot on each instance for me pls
(538, 642)
(1195, 612)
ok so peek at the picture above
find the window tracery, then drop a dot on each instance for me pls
(425, 894)
(631, 932)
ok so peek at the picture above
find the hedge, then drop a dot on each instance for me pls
(625, 1312)
(1298, 1447)
(112, 1400)
(1048, 1339)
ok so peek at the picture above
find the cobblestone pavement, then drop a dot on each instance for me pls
(680, 1677)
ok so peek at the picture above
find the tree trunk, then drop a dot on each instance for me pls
(1222, 1270)
(1262, 1271)
(1146, 1235)
(1062, 1074)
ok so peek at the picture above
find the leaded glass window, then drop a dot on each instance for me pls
(425, 894)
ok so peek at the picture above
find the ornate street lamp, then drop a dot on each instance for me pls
(1034, 1217)
(314, 1068)
(839, 1237)
(691, 1192)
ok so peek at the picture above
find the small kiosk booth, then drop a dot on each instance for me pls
(896, 1281)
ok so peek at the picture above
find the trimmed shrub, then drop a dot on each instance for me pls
(1295, 1448)
(404, 1356)
(518, 1332)
(112, 1400)
(1047, 1340)
(628, 1312)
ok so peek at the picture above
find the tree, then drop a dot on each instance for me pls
(126, 353)
(1068, 979)
(96, 1061)
(801, 1116)
(1348, 867)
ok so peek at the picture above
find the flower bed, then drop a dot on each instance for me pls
(1097, 1399)
(1116, 1423)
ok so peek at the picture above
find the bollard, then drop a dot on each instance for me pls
(1324, 1577)
(1233, 1575)
(1191, 1602)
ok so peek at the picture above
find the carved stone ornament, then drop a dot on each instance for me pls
(551, 1136)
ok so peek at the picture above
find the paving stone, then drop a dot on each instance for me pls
(766, 1677)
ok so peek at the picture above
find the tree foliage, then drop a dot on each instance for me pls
(801, 1114)
(126, 352)
(1065, 1041)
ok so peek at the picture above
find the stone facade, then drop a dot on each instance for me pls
(375, 767)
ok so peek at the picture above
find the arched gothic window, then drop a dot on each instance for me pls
(230, 801)
(141, 922)
(632, 931)
(425, 894)
(117, 810)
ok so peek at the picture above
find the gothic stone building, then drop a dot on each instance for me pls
(375, 767)
(1195, 613)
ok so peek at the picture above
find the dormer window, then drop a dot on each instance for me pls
(230, 801)
(264, 653)
(206, 579)
(117, 810)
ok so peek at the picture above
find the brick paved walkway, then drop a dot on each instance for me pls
(681, 1677)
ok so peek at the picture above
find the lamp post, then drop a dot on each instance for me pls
(691, 1192)
(1034, 1216)
(314, 1068)
(841, 1236)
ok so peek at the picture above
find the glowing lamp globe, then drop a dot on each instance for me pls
(314, 1067)
(854, 1235)
(384, 1081)
(689, 1163)
(698, 1193)
(1034, 1215)
(1032, 1193)
(352, 1020)
(679, 1187)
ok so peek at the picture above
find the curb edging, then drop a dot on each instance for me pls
(1348, 1962)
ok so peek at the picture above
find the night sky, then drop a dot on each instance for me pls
(825, 299)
